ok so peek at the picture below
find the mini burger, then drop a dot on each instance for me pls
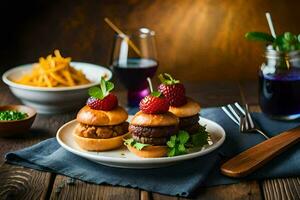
(183, 107)
(152, 127)
(101, 123)
(188, 116)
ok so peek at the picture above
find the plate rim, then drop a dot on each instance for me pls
(100, 158)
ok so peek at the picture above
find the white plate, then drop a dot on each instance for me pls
(125, 159)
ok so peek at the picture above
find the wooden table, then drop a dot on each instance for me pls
(22, 183)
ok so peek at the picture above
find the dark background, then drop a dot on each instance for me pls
(196, 40)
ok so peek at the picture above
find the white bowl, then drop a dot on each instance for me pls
(54, 100)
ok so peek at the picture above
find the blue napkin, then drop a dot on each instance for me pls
(181, 179)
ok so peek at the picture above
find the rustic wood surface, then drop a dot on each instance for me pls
(21, 183)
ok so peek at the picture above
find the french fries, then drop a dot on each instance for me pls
(53, 71)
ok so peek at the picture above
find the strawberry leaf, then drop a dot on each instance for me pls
(156, 94)
(102, 91)
(103, 86)
(96, 92)
(109, 86)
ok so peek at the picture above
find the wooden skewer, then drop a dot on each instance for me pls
(117, 30)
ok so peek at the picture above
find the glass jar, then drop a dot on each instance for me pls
(279, 84)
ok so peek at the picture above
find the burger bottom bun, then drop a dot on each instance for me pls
(92, 144)
(149, 151)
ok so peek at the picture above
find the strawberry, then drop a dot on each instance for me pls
(108, 103)
(172, 89)
(155, 103)
(101, 98)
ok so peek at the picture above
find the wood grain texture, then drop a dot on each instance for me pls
(244, 190)
(197, 40)
(82, 190)
(156, 196)
(21, 183)
(257, 156)
(37, 183)
(286, 188)
(145, 195)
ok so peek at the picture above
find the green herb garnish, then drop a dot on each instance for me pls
(200, 138)
(182, 142)
(8, 115)
(177, 144)
(102, 91)
(259, 36)
(286, 42)
(132, 142)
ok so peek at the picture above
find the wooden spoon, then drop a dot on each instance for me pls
(255, 157)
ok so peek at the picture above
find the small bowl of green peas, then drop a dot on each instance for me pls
(15, 120)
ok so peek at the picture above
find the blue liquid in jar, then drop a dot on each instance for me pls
(279, 94)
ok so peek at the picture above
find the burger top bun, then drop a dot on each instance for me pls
(189, 109)
(101, 117)
(152, 120)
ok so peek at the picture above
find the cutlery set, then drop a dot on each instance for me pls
(256, 156)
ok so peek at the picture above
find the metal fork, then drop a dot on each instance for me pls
(242, 118)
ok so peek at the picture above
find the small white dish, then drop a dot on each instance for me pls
(54, 100)
(123, 158)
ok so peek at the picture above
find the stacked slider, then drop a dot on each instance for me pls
(102, 123)
(183, 107)
(152, 127)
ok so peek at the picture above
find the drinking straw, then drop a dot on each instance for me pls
(150, 84)
(269, 19)
(117, 30)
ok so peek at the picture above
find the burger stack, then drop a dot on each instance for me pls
(162, 114)
(102, 122)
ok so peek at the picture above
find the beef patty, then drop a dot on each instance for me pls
(188, 121)
(191, 129)
(189, 124)
(102, 132)
(152, 135)
(163, 131)
(152, 140)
